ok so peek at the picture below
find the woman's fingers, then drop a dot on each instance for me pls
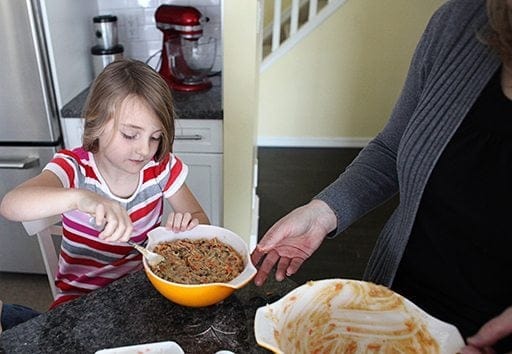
(282, 268)
(286, 266)
(294, 266)
(266, 266)
(257, 255)
(494, 330)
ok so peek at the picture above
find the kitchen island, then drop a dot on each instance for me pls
(130, 311)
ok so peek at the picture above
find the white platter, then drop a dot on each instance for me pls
(340, 315)
(167, 347)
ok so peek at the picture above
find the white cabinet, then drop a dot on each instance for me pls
(198, 142)
(205, 181)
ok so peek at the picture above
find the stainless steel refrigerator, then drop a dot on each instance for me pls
(29, 122)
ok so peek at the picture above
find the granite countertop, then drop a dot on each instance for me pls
(130, 311)
(188, 105)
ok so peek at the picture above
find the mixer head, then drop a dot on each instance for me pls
(185, 21)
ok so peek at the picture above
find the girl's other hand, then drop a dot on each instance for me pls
(181, 222)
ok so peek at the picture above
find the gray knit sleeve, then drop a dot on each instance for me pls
(371, 179)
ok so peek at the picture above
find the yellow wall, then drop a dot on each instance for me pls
(343, 79)
(241, 75)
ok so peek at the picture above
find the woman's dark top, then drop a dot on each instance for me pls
(457, 264)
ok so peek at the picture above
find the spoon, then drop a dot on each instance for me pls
(153, 258)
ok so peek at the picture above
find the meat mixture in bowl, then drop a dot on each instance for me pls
(198, 261)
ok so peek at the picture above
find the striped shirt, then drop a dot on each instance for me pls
(86, 262)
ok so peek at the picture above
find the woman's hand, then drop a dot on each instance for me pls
(181, 222)
(107, 213)
(292, 240)
(491, 333)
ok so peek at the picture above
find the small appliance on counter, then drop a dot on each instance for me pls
(107, 48)
(186, 57)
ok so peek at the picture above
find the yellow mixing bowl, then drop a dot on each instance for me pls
(199, 295)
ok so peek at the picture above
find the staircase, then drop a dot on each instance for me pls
(291, 24)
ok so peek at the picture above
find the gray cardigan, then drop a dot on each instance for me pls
(449, 69)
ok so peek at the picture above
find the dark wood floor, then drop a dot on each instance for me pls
(290, 177)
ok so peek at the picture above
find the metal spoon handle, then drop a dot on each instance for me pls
(152, 258)
(138, 247)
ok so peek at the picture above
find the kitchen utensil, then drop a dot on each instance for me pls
(199, 295)
(101, 57)
(153, 258)
(185, 60)
(105, 30)
(341, 314)
(107, 49)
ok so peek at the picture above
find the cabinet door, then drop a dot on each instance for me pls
(205, 181)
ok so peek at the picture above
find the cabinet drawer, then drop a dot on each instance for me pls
(198, 135)
(191, 135)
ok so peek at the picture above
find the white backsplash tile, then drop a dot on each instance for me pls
(137, 31)
(179, 2)
(112, 4)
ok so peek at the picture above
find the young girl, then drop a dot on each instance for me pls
(111, 189)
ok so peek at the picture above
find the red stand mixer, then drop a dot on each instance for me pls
(187, 57)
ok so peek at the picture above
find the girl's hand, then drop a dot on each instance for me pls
(181, 222)
(107, 213)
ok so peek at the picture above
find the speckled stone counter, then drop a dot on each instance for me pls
(130, 311)
(198, 105)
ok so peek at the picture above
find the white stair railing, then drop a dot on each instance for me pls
(276, 25)
(289, 26)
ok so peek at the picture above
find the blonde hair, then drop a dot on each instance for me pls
(498, 34)
(120, 80)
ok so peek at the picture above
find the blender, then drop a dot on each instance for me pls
(107, 49)
(187, 57)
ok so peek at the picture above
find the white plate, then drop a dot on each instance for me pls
(149, 348)
(335, 315)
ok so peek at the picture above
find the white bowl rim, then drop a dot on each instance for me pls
(159, 234)
(264, 329)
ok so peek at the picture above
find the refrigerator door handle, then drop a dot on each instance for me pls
(39, 37)
(23, 163)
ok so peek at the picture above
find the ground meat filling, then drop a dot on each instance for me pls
(198, 261)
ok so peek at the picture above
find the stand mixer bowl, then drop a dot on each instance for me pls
(191, 61)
